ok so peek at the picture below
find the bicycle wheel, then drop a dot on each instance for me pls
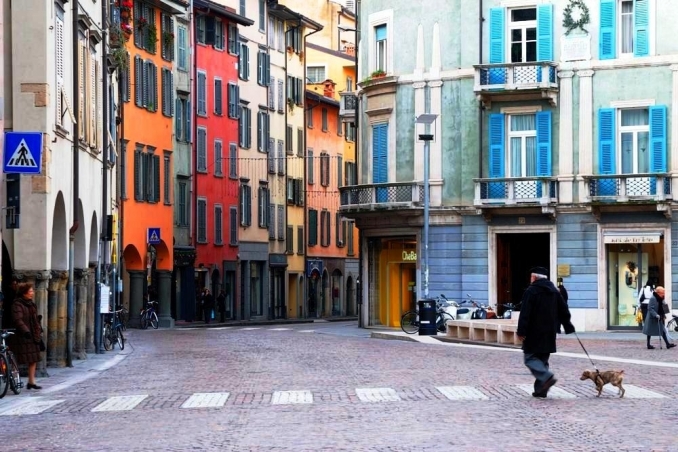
(154, 320)
(121, 339)
(14, 376)
(672, 325)
(106, 338)
(4, 376)
(123, 320)
(409, 322)
(144, 320)
(441, 321)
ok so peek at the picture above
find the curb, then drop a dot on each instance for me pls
(196, 325)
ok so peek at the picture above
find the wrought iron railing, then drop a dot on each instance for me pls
(348, 104)
(628, 187)
(516, 190)
(392, 194)
(515, 76)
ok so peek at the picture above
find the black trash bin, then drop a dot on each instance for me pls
(427, 317)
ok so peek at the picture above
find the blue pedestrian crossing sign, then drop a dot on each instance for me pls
(22, 153)
(153, 236)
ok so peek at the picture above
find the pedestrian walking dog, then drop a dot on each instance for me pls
(613, 377)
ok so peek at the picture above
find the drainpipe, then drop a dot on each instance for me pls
(359, 286)
(480, 103)
(121, 169)
(70, 310)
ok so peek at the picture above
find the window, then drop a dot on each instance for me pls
(233, 100)
(218, 34)
(295, 90)
(218, 158)
(263, 68)
(300, 240)
(202, 220)
(350, 173)
(182, 202)
(289, 136)
(293, 39)
(245, 205)
(280, 33)
(59, 38)
(233, 223)
(271, 221)
(144, 18)
(271, 156)
(145, 84)
(309, 119)
(324, 120)
(218, 228)
(202, 93)
(167, 80)
(167, 178)
(289, 244)
(233, 44)
(263, 210)
(381, 51)
(340, 168)
(309, 174)
(166, 37)
(522, 140)
(350, 132)
(244, 62)
(263, 131)
(182, 48)
(624, 28)
(182, 121)
(349, 237)
(340, 126)
(232, 160)
(146, 175)
(281, 158)
(200, 29)
(281, 222)
(340, 225)
(262, 16)
(312, 227)
(633, 141)
(523, 34)
(218, 107)
(300, 142)
(271, 32)
(324, 169)
(245, 127)
(325, 228)
(201, 146)
(316, 74)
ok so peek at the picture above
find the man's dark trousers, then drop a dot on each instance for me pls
(538, 363)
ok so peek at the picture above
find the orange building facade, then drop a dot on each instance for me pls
(146, 179)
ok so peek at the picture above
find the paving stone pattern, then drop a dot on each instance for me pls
(265, 390)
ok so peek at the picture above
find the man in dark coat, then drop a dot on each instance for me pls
(542, 312)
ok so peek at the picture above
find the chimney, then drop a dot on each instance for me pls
(328, 88)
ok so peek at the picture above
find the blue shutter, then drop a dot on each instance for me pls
(497, 156)
(380, 159)
(497, 49)
(608, 32)
(545, 33)
(641, 23)
(606, 151)
(544, 143)
(658, 139)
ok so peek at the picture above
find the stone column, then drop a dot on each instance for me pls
(565, 148)
(80, 283)
(40, 280)
(62, 317)
(165, 319)
(137, 279)
(586, 120)
(52, 319)
(89, 328)
(673, 168)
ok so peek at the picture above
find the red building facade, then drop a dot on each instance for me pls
(216, 104)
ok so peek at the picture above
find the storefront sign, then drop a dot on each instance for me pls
(632, 238)
(409, 256)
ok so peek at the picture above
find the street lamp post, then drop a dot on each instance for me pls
(427, 119)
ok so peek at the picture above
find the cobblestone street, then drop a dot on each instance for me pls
(329, 387)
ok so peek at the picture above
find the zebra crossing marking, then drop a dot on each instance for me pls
(206, 400)
(305, 331)
(634, 392)
(377, 395)
(120, 403)
(32, 407)
(291, 397)
(462, 393)
(554, 393)
(280, 329)
(251, 328)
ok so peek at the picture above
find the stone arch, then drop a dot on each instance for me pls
(162, 257)
(80, 251)
(94, 239)
(59, 235)
(132, 258)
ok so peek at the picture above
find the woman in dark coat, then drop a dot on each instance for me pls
(653, 325)
(28, 336)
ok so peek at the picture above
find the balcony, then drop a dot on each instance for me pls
(398, 195)
(517, 192)
(516, 81)
(650, 190)
(348, 106)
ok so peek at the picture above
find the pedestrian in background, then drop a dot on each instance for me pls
(207, 305)
(654, 320)
(221, 301)
(28, 341)
(564, 294)
(542, 312)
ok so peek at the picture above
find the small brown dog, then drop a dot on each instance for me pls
(614, 377)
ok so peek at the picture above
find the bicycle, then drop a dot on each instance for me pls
(123, 316)
(148, 316)
(673, 323)
(112, 332)
(409, 322)
(9, 368)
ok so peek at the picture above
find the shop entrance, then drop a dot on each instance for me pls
(516, 254)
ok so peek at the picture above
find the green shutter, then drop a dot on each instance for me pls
(156, 178)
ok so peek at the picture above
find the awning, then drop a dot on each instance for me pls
(631, 237)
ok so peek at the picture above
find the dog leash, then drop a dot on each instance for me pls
(587, 353)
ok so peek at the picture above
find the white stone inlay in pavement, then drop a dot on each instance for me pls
(306, 331)
(206, 400)
(120, 403)
(251, 328)
(291, 397)
(33, 407)
(462, 393)
(377, 395)
(280, 329)
(633, 392)
(554, 393)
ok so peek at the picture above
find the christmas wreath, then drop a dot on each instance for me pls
(584, 18)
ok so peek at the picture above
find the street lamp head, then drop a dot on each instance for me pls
(426, 118)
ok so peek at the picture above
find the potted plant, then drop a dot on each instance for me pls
(168, 38)
(126, 8)
(126, 29)
(142, 23)
(116, 37)
(379, 73)
(119, 57)
(152, 36)
(290, 104)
